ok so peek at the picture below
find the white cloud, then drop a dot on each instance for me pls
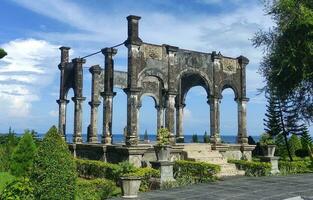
(29, 66)
(54, 113)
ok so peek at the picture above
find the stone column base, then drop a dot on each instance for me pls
(166, 169)
(274, 162)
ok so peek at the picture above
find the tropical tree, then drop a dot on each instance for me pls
(23, 156)
(288, 50)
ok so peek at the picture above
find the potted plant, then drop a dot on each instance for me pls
(162, 148)
(130, 185)
(268, 145)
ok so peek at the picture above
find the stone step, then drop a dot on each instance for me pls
(217, 161)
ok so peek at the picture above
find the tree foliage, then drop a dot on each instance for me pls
(295, 144)
(2, 53)
(54, 173)
(23, 156)
(288, 50)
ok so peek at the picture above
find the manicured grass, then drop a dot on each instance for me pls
(5, 178)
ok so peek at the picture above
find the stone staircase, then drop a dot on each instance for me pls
(204, 153)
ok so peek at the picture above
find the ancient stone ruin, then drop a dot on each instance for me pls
(163, 72)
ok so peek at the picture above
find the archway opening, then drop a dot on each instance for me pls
(147, 119)
(119, 121)
(228, 116)
(69, 126)
(196, 115)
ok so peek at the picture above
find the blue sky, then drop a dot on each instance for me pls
(32, 31)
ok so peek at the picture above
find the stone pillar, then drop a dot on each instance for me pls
(133, 43)
(242, 121)
(133, 103)
(179, 122)
(170, 115)
(62, 101)
(215, 137)
(62, 116)
(78, 99)
(160, 116)
(94, 104)
(108, 94)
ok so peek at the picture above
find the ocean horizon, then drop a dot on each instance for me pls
(119, 138)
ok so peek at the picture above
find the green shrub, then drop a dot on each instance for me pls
(295, 144)
(294, 167)
(266, 139)
(19, 189)
(96, 189)
(98, 169)
(92, 169)
(195, 172)
(253, 168)
(23, 156)
(206, 138)
(8, 142)
(145, 174)
(54, 172)
(5, 178)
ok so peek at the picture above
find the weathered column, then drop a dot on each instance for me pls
(108, 94)
(242, 102)
(242, 121)
(62, 101)
(133, 43)
(215, 119)
(78, 99)
(179, 122)
(62, 116)
(94, 104)
(160, 116)
(170, 115)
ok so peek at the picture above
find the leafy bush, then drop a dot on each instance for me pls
(95, 189)
(19, 189)
(5, 178)
(195, 172)
(266, 139)
(8, 142)
(23, 156)
(253, 168)
(54, 172)
(295, 144)
(163, 137)
(97, 169)
(145, 174)
(294, 167)
(206, 138)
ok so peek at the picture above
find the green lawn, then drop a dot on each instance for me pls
(5, 178)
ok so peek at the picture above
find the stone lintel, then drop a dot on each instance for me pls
(95, 69)
(244, 99)
(243, 60)
(78, 99)
(108, 93)
(79, 60)
(247, 147)
(109, 51)
(94, 103)
(170, 49)
(133, 90)
(220, 147)
(60, 101)
(64, 48)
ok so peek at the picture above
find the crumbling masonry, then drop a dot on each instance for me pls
(163, 72)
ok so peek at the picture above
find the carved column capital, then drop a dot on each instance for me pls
(75, 99)
(94, 103)
(62, 101)
(95, 69)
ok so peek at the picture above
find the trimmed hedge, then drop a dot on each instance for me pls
(95, 189)
(19, 189)
(253, 168)
(294, 167)
(92, 169)
(195, 172)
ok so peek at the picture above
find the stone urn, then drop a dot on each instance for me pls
(162, 152)
(269, 150)
(130, 186)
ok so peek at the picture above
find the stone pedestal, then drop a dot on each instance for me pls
(134, 154)
(246, 151)
(274, 162)
(166, 169)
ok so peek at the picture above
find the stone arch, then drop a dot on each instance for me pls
(228, 84)
(152, 95)
(155, 72)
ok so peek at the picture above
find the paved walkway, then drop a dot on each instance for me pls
(241, 188)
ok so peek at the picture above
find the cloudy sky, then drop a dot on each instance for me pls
(32, 31)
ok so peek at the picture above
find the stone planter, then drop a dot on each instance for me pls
(269, 150)
(162, 152)
(130, 186)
